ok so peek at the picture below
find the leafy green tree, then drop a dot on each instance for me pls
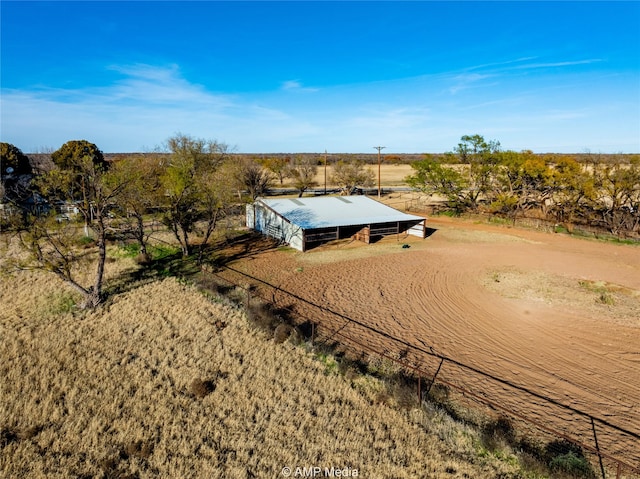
(73, 158)
(69, 155)
(474, 149)
(482, 158)
(524, 181)
(141, 191)
(303, 172)
(15, 174)
(574, 192)
(12, 161)
(188, 177)
(279, 166)
(463, 185)
(350, 175)
(431, 177)
(53, 243)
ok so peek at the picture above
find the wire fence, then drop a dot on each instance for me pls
(540, 427)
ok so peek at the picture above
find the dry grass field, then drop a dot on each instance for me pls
(390, 175)
(164, 381)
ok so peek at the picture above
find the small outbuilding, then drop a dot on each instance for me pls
(303, 223)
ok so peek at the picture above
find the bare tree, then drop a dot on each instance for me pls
(619, 199)
(303, 172)
(142, 190)
(350, 175)
(249, 175)
(279, 166)
(188, 181)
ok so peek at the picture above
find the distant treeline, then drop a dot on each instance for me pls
(43, 160)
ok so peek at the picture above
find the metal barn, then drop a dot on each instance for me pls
(306, 222)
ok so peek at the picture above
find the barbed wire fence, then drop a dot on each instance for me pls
(538, 426)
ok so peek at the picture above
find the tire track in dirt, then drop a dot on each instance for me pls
(492, 344)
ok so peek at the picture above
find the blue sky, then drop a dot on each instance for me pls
(313, 76)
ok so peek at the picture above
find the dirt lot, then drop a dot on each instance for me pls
(556, 315)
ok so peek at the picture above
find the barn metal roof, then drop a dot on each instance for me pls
(328, 211)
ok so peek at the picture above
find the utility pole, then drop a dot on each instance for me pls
(379, 148)
(325, 172)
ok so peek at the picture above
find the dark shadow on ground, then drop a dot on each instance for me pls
(429, 232)
(170, 265)
(217, 254)
(245, 245)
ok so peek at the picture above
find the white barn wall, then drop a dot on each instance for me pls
(251, 215)
(418, 230)
(267, 222)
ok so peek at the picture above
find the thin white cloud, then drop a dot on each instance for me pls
(558, 64)
(161, 85)
(499, 64)
(296, 85)
(167, 73)
(467, 80)
(291, 85)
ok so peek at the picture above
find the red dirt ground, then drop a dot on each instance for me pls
(557, 315)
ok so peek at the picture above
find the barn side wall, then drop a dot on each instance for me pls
(269, 223)
(419, 229)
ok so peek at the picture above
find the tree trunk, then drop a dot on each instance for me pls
(90, 297)
(94, 296)
(184, 243)
(140, 235)
(91, 300)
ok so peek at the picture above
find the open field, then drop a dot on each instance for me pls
(164, 382)
(556, 315)
(390, 175)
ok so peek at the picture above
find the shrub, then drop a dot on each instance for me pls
(567, 458)
(202, 387)
(285, 331)
(262, 317)
(606, 298)
(572, 463)
(498, 433)
(382, 367)
(162, 251)
(138, 449)
(7, 436)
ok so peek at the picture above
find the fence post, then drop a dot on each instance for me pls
(595, 438)
(435, 376)
(419, 391)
